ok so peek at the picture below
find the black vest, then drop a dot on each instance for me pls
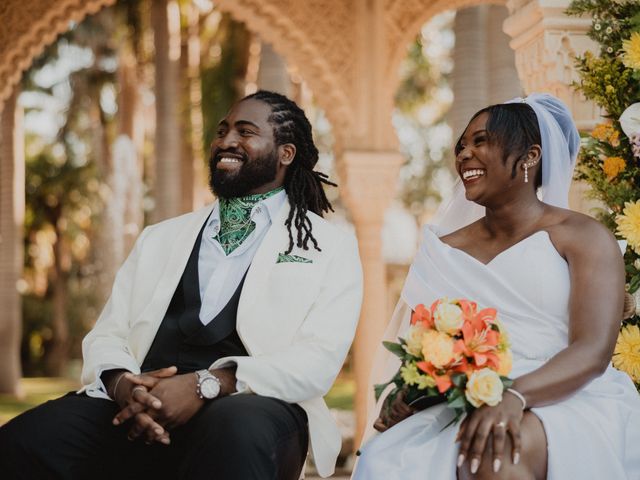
(182, 340)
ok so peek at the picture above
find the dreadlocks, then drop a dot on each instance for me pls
(302, 184)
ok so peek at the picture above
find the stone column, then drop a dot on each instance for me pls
(546, 42)
(369, 180)
(470, 74)
(272, 71)
(11, 254)
(504, 83)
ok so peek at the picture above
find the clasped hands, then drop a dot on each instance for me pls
(486, 427)
(156, 402)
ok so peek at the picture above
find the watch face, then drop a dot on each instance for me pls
(209, 388)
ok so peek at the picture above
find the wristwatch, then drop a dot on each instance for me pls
(208, 386)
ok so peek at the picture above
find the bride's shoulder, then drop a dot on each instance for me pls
(576, 233)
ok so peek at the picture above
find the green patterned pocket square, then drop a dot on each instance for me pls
(284, 258)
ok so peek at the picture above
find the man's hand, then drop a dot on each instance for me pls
(135, 400)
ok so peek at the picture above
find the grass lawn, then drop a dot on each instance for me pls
(39, 390)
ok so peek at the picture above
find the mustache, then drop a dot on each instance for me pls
(217, 153)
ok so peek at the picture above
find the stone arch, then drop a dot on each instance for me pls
(29, 28)
(404, 22)
(276, 22)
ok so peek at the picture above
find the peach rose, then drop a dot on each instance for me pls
(484, 386)
(437, 348)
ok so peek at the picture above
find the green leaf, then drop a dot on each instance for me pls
(394, 348)
(379, 388)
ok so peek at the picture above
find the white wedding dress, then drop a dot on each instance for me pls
(594, 434)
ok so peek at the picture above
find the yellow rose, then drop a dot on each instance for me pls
(484, 386)
(437, 348)
(448, 318)
(506, 363)
(414, 340)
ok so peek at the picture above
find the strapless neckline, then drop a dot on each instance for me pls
(504, 252)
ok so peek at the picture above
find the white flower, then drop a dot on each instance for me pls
(637, 264)
(448, 318)
(630, 120)
(484, 386)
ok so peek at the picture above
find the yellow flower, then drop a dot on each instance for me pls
(631, 47)
(612, 166)
(484, 386)
(437, 348)
(448, 318)
(629, 224)
(414, 340)
(626, 356)
(506, 363)
(411, 376)
(602, 131)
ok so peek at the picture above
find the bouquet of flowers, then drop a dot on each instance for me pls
(452, 352)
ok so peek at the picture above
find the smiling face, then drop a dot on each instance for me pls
(244, 157)
(481, 163)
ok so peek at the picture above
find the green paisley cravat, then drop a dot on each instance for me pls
(235, 219)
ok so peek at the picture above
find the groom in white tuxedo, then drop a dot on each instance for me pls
(224, 329)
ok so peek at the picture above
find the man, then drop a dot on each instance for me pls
(239, 317)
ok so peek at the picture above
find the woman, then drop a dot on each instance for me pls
(506, 240)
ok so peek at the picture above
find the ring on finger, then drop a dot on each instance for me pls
(501, 424)
(135, 389)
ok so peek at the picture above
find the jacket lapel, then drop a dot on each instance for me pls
(276, 240)
(181, 249)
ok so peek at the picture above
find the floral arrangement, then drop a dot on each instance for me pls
(610, 155)
(452, 352)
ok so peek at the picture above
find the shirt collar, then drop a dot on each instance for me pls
(272, 205)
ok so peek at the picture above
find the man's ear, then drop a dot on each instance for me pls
(286, 153)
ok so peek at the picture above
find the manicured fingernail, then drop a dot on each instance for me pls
(159, 431)
(157, 404)
(460, 460)
(516, 458)
(165, 441)
(116, 421)
(475, 463)
(496, 465)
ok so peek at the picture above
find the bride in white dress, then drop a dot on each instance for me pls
(557, 280)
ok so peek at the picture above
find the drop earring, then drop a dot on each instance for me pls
(526, 173)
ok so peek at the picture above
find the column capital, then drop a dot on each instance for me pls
(369, 179)
(546, 42)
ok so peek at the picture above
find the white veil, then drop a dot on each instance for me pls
(560, 145)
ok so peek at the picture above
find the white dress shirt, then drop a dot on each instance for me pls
(220, 274)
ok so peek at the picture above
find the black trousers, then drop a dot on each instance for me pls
(240, 437)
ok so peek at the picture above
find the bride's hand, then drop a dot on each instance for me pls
(393, 413)
(496, 421)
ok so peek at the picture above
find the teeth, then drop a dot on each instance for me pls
(229, 160)
(468, 174)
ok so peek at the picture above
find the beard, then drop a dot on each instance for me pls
(252, 174)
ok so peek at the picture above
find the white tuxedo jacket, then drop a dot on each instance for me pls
(296, 320)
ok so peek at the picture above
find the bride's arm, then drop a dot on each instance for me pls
(595, 312)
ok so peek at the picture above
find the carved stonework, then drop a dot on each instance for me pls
(403, 21)
(546, 42)
(27, 27)
(317, 37)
